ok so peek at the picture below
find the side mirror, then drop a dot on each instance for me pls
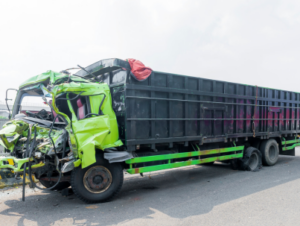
(6, 99)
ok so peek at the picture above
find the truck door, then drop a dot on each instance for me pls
(90, 126)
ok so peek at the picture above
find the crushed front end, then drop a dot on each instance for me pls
(77, 119)
(28, 140)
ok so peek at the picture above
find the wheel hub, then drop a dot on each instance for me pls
(272, 153)
(97, 179)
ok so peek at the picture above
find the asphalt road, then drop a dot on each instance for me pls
(197, 195)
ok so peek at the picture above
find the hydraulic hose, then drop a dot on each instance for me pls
(25, 164)
(64, 147)
(29, 168)
(23, 186)
(49, 134)
(36, 186)
(32, 146)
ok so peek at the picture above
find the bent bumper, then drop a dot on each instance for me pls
(12, 163)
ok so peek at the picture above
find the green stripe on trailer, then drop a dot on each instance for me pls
(295, 142)
(290, 147)
(181, 164)
(183, 155)
(290, 141)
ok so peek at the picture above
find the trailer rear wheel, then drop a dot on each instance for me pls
(97, 183)
(251, 160)
(270, 152)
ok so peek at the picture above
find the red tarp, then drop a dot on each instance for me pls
(139, 70)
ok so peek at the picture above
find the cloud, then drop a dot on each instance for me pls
(252, 42)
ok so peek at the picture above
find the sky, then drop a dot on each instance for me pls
(254, 42)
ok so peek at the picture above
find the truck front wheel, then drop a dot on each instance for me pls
(97, 183)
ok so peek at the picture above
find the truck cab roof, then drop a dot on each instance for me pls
(103, 66)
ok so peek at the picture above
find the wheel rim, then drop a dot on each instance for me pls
(97, 179)
(272, 153)
(253, 161)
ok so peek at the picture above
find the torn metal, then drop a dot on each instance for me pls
(80, 123)
(117, 156)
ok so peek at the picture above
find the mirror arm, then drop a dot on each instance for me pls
(6, 99)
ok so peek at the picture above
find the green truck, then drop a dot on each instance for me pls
(102, 121)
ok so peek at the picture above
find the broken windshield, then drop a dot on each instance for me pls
(35, 106)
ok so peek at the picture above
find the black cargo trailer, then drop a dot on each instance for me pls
(176, 109)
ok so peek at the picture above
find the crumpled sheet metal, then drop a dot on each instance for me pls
(52, 76)
(93, 133)
(118, 156)
(12, 129)
(88, 134)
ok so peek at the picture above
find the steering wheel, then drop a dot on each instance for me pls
(90, 114)
(43, 114)
(30, 114)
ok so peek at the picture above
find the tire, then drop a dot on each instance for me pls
(60, 186)
(270, 152)
(251, 160)
(99, 182)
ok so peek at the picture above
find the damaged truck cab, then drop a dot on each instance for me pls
(118, 115)
(79, 127)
